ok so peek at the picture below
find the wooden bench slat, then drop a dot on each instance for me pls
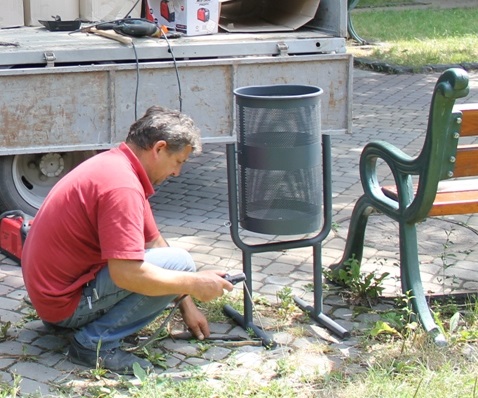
(453, 197)
(461, 185)
(466, 161)
(470, 119)
(448, 203)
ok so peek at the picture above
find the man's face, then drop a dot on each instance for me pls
(167, 163)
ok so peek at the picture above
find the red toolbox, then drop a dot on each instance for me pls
(14, 227)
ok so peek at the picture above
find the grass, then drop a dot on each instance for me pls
(415, 376)
(418, 37)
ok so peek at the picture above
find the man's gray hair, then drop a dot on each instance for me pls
(163, 124)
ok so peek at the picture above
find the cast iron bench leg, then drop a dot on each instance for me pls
(410, 271)
(412, 283)
(356, 234)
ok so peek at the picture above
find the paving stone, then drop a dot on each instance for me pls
(172, 361)
(26, 336)
(216, 353)
(283, 338)
(50, 358)
(219, 328)
(9, 304)
(36, 371)
(248, 359)
(4, 289)
(10, 316)
(183, 348)
(15, 349)
(13, 281)
(278, 280)
(50, 342)
(6, 363)
(239, 331)
(34, 387)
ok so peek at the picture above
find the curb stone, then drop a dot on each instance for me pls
(383, 67)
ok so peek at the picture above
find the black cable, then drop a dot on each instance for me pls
(137, 82)
(138, 77)
(132, 8)
(170, 48)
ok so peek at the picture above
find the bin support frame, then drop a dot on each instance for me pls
(315, 311)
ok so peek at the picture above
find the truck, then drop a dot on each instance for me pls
(68, 95)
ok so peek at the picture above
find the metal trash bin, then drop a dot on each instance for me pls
(279, 153)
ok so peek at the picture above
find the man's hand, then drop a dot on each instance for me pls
(210, 285)
(194, 319)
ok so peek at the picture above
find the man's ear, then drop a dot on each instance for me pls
(160, 145)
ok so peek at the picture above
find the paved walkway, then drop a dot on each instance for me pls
(193, 213)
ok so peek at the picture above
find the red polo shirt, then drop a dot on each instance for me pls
(98, 211)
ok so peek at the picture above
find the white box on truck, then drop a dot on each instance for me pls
(35, 10)
(108, 10)
(11, 14)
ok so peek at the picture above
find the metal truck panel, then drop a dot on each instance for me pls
(67, 92)
(88, 107)
(33, 46)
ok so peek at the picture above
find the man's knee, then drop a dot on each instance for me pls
(187, 261)
(173, 258)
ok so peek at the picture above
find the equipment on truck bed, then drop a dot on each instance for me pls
(134, 27)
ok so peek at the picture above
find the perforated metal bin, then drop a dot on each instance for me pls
(279, 153)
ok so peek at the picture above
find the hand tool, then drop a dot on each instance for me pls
(111, 34)
(234, 279)
(134, 27)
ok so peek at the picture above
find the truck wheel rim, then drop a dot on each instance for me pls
(35, 174)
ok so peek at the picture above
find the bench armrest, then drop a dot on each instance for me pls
(403, 167)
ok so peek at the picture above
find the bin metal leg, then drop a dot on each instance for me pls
(316, 311)
(246, 321)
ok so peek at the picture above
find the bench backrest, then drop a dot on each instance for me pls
(436, 161)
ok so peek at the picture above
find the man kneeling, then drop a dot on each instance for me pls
(94, 260)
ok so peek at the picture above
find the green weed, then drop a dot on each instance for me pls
(361, 287)
(286, 302)
(10, 390)
(4, 328)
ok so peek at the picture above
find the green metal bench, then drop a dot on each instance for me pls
(419, 191)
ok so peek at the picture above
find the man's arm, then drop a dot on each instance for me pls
(194, 319)
(150, 280)
(158, 242)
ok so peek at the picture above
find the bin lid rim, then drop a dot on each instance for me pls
(243, 91)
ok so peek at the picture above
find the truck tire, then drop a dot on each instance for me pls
(26, 179)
